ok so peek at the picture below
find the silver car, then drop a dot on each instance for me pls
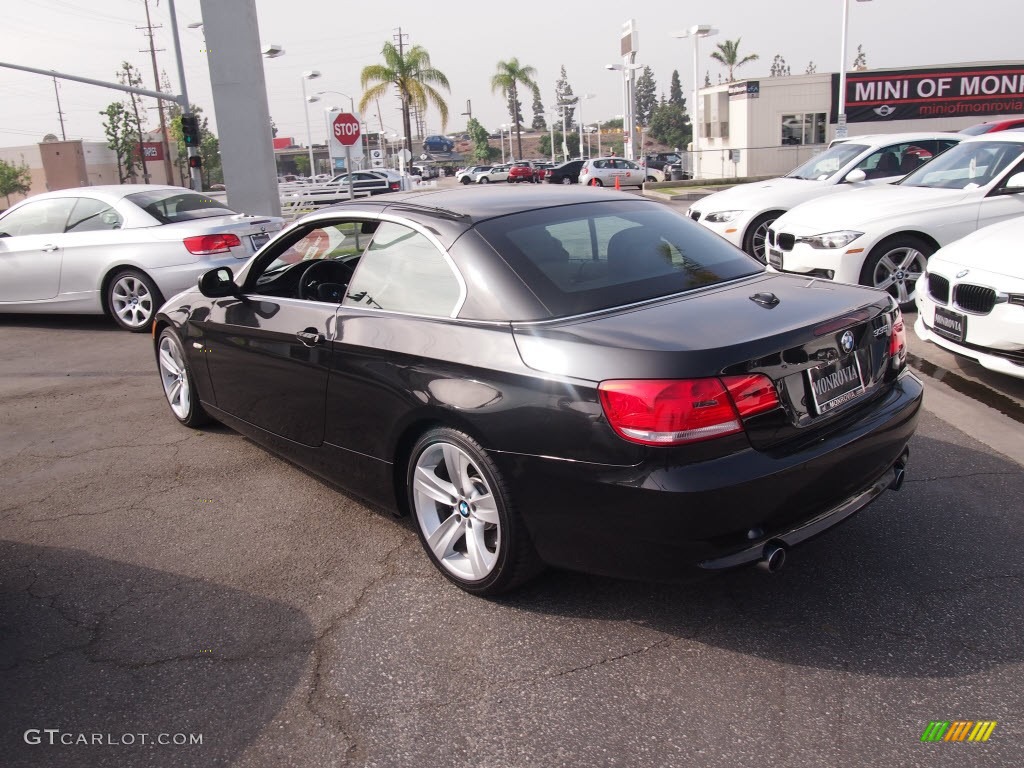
(118, 250)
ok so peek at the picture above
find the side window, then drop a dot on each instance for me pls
(403, 271)
(42, 217)
(340, 242)
(883, 163)
(90, 215)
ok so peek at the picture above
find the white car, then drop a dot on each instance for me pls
(118, 250)
(743, 214)
(882, 236)
(602, 172)
(466, 175)
(497, 173)
(972, 298)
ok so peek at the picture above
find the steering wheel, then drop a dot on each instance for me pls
(320, 272)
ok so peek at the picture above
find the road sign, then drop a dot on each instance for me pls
(346, 129)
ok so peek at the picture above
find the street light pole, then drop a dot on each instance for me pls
(310, 75)
(581, 99)
(697, 31)
(841, 111)
(628, 120)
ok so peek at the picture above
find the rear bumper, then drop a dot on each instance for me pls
(660, 522)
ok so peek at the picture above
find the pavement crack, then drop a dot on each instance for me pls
(917, 479)
(663, 643)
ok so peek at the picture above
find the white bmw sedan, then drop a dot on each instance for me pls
(118, 250)
(883, 236)
(743, 214)
(972, 298)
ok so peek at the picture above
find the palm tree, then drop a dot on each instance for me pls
(510, 75)
(728, 55)
(411, 73)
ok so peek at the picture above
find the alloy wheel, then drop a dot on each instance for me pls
(457, 512)
(174, 377)
(898, 271)
(132, 301)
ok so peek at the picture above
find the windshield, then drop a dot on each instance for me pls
(169, 206)
(582, 258)
(966, 166)
(820, 167)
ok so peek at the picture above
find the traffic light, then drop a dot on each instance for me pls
(195, 162)
(190, 130)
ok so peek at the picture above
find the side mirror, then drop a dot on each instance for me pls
(218, 283)
(1013, 185)
(855, 176)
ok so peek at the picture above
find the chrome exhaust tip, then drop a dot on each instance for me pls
(773, 559)
(899, 471)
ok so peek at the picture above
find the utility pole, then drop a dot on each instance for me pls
(60, 114)
(469, 110)
(168, 170)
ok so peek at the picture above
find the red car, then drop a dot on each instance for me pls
(522, 171)
(996, 125)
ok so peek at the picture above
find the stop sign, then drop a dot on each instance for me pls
(346, 129)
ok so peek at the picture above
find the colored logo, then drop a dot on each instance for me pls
(958, 730)
(847, 342)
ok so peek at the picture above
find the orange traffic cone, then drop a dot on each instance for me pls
(617, 183)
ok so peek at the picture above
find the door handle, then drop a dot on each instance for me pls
(310, 337)
(49, 247)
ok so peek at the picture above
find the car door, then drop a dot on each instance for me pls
(92, 238)
(30, 249)
(269, 352)
(1001, 202)
(393, 318)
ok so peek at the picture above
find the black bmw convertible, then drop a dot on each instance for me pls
(555, 376)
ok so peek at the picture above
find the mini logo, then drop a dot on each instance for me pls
(958, 730)
(884, 111)
(846, 342)
(962, 273)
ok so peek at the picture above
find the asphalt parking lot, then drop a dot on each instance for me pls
(161, 582)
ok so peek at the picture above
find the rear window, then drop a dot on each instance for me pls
(583, 258)
(173, 205)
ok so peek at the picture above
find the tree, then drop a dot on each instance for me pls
(779, 67)
(14, 179)
(646, 96)
(728, 55)
(675, 90)
(707, 79)
(273, 128)
(510, 75)
(812, 68)
(564, 99)
(118, 129)
(130, 76)
(861, 62)
(671, 125)
(539, 121)
(302, 165)
(478, 135)
(413, 76)
(572, 141)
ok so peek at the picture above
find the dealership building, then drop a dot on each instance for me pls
(768, 126)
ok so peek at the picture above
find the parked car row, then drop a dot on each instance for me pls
(935, 220)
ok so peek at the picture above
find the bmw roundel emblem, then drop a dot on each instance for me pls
(962, 273)
(846, 342)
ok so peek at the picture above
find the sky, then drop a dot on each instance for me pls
(466, 40)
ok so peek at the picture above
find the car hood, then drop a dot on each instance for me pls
(699, 334)
(993, 249)
(865, 205)
(758, 195)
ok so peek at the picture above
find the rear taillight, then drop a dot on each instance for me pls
(204, 245)
(395, 186)
(898, 340)
(674, 412)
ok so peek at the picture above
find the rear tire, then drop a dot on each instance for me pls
(133, 300)
(464, 515)
(485, 180)
(566, 180)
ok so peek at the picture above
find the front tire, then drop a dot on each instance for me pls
(755, 237)
(176, 378)
(485, 180)
(596, 183)
(566, 180)
(464, 515)
(464, 180)
(132, 300)
(895, 265)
